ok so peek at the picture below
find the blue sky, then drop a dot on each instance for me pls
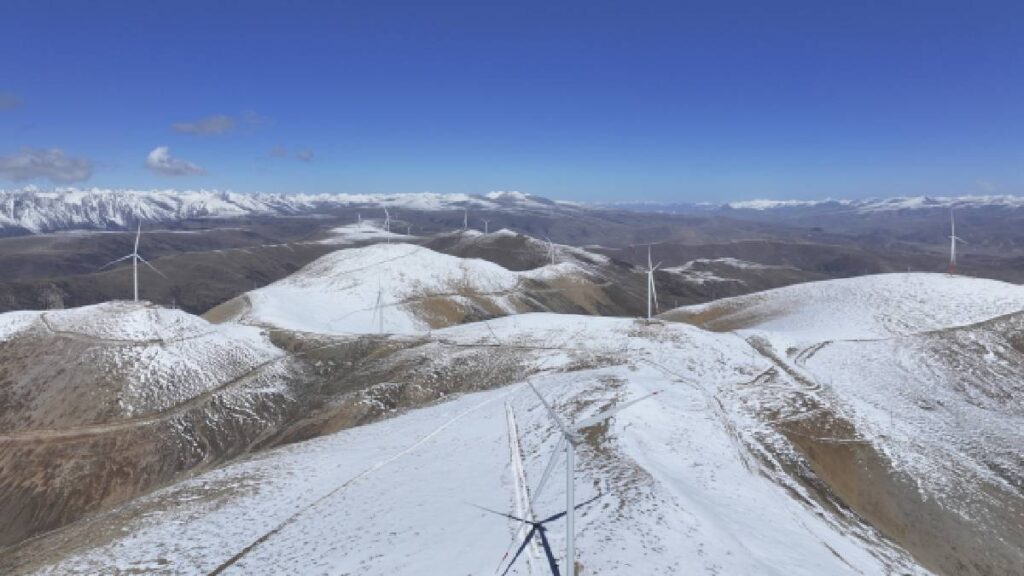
(587, 101)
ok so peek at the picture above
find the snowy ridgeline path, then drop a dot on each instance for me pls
(676, 491)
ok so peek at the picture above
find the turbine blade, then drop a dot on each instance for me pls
(654, 292)
(146, 262)
(551, 411)
(959, 239)
(115, 261)
(560, 514)
(505, 514)
(526, 542)
(138, 233)
(550, 467)
(602, 416)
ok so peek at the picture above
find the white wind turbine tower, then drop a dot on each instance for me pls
(465, 219)
(652, 293)
(551, 250)
(953, 239)
(487, 224)
(570, 438)
(136, 258)
(387, 225)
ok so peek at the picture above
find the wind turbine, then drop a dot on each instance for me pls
(487, 224)
(465, 219)
(551, 250)
(569, 440)
(536, 527)
(652, 293)
(387, 225)
(953, 239)
(136, 258)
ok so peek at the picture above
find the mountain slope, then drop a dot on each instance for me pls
(814, 434)
(409, 289)
(132, 360)
(102, 403)
(676, 488)
(900, 393)
(875, 306)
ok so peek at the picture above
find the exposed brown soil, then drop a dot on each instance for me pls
(725, 316)
(846, 471)
(865, 481)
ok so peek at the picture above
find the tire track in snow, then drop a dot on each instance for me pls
(521, 491)
(368, 471)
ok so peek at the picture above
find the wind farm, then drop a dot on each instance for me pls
(411, 347)
(653, 290)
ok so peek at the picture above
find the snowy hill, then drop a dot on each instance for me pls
(946, 409)
(35, 210)
(676, 490)
(104, 402)
(862, 426)
(512, 250)
(875, 306)
(398, 288)
(135, 359)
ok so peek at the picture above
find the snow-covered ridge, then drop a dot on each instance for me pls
(151, 357)
(766, 204)
(730, 262)
(865, 307)
(345, 291)
(865, 205)
(393, 288)
(888, 204)
(71, 208)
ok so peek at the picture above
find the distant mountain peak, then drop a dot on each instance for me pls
(34, 210)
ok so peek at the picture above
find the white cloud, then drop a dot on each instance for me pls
(161, 162)
(51, 163)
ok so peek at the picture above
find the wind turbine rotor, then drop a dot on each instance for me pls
(153, 268)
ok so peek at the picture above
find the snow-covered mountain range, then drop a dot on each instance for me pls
(36, 210)
(859, 206)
